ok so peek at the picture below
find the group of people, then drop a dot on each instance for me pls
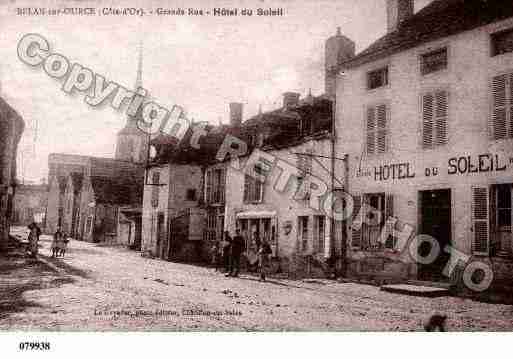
(229, 252)
(59, 243)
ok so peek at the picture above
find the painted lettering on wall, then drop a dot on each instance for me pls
(393, 171)
(473, 164)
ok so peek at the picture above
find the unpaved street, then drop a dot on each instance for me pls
(104, 288)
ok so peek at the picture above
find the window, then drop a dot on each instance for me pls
(433, 61)
(155, 180)
(503, 206)
(254, 186)
(215, 188)
(303, 232)
(320, 224)
(366, 232)
(502, 42)
(434, 118)
(190, 194)
(501, 120)
(376, 130)
(377, 78)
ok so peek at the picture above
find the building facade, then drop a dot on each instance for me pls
(11, 129)
(431, 146)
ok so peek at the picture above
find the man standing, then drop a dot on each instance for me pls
(236, 251)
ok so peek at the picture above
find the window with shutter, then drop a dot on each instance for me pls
(501, 124)
(371, 131)
(480, 220)
(356, 226)
(434, 118)
(376, 130)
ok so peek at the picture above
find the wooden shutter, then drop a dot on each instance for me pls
(480, 220)
(381, 138)
(427, 120)
(441, 117)
(371, 131)
(356, 225)
(511, 105)
(246, 188)
(498, 127)
(208, 187)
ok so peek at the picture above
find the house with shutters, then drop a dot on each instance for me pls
(276, 191)
(430, 105)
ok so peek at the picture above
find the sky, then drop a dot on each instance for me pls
(198, 62)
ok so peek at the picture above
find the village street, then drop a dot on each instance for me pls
(103, 288)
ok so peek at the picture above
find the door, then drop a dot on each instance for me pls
(160, 235)
(435, 207)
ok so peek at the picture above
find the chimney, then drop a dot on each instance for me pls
(397, 12)
(337, 49)
(290, 99)
(235, 113)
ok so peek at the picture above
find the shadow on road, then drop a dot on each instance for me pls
(19, 274)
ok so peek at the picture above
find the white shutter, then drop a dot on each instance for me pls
(427, 120)
(441, 117)
(356, 225)
(480, 220)
(371, 130)
(498, 127)
(511, 105)
(381, 112)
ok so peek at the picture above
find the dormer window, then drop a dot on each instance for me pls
(502, 42)
(433, 61)
(377, 78)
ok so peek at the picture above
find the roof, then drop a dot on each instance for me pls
(437, 20)
(280, 128)
(117, 191)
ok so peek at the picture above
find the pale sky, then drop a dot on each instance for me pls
(198, 62)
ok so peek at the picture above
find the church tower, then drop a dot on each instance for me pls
(132, 143)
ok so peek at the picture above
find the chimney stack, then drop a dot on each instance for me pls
(290, 99)
(235, 113)
(337, 49)
(397, 12)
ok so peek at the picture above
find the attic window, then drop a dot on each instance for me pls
(377, 78)
(502, 42)
(433, 61)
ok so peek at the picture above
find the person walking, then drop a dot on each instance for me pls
(263, 258)
(227, 244)
(33, 238)
(237, 248)
(57, 236)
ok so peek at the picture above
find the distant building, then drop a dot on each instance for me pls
(11, 128)
(430, 145)
(86, 193)
(30, 204)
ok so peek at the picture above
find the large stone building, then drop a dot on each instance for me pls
(430, 108)
(11, 128)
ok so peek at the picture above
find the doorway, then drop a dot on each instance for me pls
(435, 220)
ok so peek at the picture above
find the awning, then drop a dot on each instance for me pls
(256, 214)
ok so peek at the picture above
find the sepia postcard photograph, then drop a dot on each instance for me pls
(268, 166)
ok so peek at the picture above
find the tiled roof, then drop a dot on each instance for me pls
(437, 20)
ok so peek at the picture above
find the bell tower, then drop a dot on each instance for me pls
(132, 143)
